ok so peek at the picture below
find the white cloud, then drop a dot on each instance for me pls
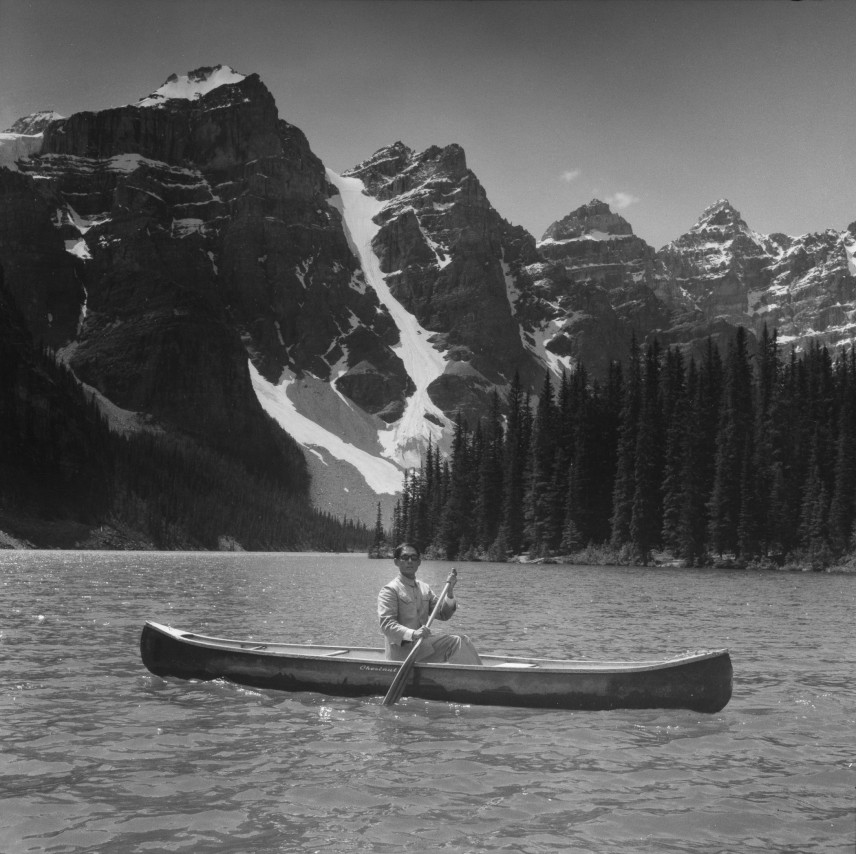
(571, 175)
(621, 200)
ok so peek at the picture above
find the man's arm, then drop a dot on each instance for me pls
(450, 605)
(387, 614)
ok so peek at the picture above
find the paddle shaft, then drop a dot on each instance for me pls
(397, 687)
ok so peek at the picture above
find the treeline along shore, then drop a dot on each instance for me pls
(745, 458)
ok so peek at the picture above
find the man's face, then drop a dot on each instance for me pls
(408, 563)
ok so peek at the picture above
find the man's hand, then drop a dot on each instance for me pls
(453, 580)
(421, 632)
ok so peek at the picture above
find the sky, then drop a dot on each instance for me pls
(658, 108)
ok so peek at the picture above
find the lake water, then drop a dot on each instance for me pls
(99, 755)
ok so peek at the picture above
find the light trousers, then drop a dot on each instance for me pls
(451, 649)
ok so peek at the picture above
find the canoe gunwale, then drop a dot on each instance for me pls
(506, 663)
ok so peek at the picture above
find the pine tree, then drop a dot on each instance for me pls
(676, 417)
(490, 478)
(842, 511)
(767, 450)
(625, 473)
(813, 519)
(515, 452)
(692, 526)
(379, 545)
(457, 519)
(539, 494)
(735, 428)
(645, 520)
(750, 520)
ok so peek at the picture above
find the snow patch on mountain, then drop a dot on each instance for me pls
(34, 123)
(593, 235)
(405, 440)
(192, 85)
(292, 408)
(17, 146)
(850, 252)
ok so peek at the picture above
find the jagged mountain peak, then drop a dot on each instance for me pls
(396, 158)
(722, 228)
(34, 123)
(595, 206)
(594, 220)
(192, 85)
(387, 158)
(397, 169)
(721, 215)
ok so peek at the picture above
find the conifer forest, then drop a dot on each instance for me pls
(61, 462)
(747, 456)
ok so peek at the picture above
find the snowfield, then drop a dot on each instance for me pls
(280, 401)
(189, 87)
(404, 441)
(16, 146)
(301, 406)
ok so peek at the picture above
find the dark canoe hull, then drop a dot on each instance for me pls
(701, 681)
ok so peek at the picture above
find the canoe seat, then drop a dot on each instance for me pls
(516, 664)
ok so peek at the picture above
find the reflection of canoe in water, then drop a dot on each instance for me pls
(699, 680)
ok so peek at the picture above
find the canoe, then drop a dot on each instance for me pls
(700, 681)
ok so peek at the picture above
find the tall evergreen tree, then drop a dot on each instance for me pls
(378, 546)
(676, 417)
(645, 520)
(490, 477)
(814, 515)
(692, 528)
(540, 495)
(625, 472)
(457, 519)
(515, 452)
(842, 511)
(733, 438)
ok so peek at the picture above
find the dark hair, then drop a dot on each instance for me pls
(396, 553)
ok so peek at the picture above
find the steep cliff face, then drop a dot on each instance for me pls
(41, 276)
(812, 290)
(599, 284)
(595, 245)
(197, 222)
(712, 267)
(723, 272)
(592, 287)
(451, 261)
(24, 138)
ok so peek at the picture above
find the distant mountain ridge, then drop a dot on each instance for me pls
(192, 261)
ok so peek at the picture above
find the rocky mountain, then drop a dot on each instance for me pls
(723, 272)
(202, 273)
(592, 286)
(605, 283)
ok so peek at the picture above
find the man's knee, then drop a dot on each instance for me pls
(460, 650)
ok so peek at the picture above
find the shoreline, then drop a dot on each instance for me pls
(112, 539)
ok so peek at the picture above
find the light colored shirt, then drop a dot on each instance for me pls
(403, 606)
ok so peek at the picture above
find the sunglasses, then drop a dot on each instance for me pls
(409, 557)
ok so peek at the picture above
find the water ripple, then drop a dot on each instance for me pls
(99, 755)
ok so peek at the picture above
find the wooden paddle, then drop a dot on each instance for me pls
(393, 695)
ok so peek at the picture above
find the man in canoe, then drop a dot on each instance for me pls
(403, 608)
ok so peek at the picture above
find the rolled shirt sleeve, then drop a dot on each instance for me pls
(448, 609)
